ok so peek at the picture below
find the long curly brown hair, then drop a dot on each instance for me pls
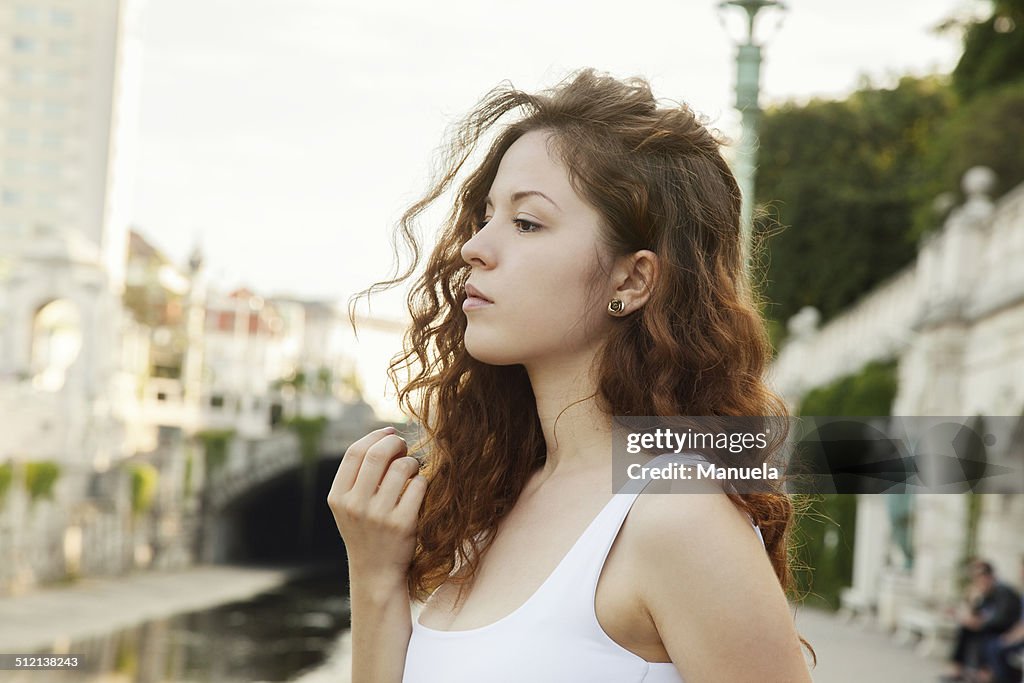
(697, 347)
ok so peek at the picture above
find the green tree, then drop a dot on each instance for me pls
(993, 52)
(837, 185)
(983, 132)
(324, 380)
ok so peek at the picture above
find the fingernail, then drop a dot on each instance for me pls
(390, 430)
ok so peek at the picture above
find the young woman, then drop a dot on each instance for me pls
(591, 267)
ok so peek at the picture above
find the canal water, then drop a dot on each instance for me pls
(275, 636)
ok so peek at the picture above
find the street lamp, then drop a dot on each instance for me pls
(748, 38)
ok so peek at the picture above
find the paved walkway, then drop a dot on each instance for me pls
(40, 619)
(849, 653)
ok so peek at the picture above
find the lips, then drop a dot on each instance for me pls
(475, 293)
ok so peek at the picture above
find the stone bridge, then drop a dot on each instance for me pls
(253, 462)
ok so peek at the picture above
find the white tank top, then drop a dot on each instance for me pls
(554, 636)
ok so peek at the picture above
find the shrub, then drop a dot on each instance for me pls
(40, 478)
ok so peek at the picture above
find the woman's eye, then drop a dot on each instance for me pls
(530, 227)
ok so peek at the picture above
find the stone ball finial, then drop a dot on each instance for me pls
(943, 203)
(978, 180)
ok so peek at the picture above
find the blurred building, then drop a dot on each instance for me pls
(69, 94)
(195, 358)
(242, 332)
(953, 320)
(320, 360)
(68, 115)
(158, 344)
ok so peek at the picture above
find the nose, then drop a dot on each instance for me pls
(475, 252)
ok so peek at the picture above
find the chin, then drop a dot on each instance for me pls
(490, 353)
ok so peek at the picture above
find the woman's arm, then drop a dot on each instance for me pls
(381, 627)
(375, 499)
(712, 593)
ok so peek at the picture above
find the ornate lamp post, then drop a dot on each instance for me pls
(748, 75)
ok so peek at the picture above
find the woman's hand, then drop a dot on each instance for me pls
(378, 525)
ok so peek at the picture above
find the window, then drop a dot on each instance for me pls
(17, 136)
(56, 342)
(54, 110)
(26, 14)
(217, 401)
(22, 44)
(60, 48)
(15, 166)
(50, 140)
(60, 17)
(9, 197)
(21, 106)
(21, 74)
(12, 228)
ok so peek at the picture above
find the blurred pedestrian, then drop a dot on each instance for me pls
(1006, 651)
(991, 609)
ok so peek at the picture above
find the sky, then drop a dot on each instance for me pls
(286, 137)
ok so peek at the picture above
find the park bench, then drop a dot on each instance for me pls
(856, 607)
(929, 627)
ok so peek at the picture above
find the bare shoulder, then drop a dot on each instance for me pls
(701, 509)
(711, 590)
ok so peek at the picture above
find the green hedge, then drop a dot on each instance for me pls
(145, 483)
(825, 532)
(868, 392)
(309, 430)
(6, 477)
(215, 447)
(40, 478)
(189, 460)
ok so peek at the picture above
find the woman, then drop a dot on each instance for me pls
(591, 267)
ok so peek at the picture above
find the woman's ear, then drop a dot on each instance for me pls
(638, 278)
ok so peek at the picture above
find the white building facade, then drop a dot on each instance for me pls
(69, 94)
(954, 320)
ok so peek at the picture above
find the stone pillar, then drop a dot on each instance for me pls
(871, 545)
(896, 592)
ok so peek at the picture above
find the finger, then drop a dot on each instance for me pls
(375, 463)
(412, 497)
(353, 458)
(399, 472)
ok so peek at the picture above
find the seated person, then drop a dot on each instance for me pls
(992, 610)
(1007, 650)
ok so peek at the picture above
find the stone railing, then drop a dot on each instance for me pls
(966, 270)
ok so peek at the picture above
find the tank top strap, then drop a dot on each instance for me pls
(580, 569)
(575, 581)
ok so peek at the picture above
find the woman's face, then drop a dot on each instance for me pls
(536, 274)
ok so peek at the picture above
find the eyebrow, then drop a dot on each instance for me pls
(516, 196)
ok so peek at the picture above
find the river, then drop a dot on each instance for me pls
(283, 634)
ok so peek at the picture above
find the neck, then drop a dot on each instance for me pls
(582, 439)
